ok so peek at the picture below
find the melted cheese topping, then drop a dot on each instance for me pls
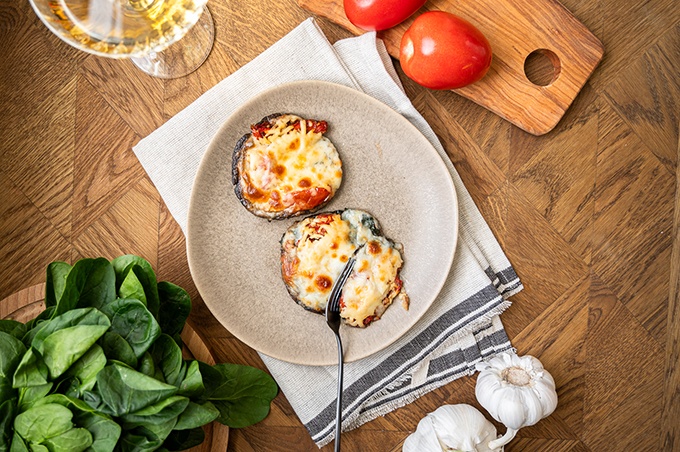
(290, 170)
(322, 246)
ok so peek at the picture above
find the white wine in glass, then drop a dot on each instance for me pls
(146, 31)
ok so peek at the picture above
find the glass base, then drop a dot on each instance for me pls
(184, 56)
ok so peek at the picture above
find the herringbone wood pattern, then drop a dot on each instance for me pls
(585, 212)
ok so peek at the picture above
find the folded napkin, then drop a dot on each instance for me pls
(461, 328)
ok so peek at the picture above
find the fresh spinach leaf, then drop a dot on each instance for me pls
(11, 353)
(73, 333)
(243, 394)
(124, 264)
(158, 431)
(184, 439)
(74, 317)
(157, 413)
(41, 422)
(8, 410)
(100, 284)
(146, 365)
(150, 435)
(31, 394)
(168, 357)
(72, 403)
(87, 367)
(55, 282)
(134, 322)
(31, 370)
(131, 287)
(64, 347)
(176, 306)
(137, 442)
(34, 325)
(7, 391)
(196, 415)
(117, 348)
(81, 352)
(88, 283)
(105, 431)
(73, 440)
(192, 385)
(11, 350)
(13, 328)
(18, 444)
(124, 390)
(70, 386)
(94, 401)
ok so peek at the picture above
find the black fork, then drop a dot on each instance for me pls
(333, 320)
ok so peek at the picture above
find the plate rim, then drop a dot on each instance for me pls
(455, 229)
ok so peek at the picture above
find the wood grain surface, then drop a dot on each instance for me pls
(585, 212)
(520, 33)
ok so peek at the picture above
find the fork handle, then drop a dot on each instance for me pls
(338, 411)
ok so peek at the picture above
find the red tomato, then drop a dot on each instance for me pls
(380, 14)
(443, 51)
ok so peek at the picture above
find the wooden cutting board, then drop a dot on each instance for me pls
(515, 30)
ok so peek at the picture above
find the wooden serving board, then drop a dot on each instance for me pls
(514, 29)
(28, 303)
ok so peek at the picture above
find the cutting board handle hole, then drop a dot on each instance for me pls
(542, 67)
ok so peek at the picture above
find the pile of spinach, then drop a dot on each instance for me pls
(101, 368)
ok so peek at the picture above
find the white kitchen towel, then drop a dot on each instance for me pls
(461, 328)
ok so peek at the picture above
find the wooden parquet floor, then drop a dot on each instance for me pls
(586, 213)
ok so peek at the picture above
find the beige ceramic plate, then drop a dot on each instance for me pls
(390, 170)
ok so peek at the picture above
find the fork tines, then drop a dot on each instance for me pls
(334, 298)
(336, 292)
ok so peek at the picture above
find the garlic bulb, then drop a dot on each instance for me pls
(516, 391)
(452, 428)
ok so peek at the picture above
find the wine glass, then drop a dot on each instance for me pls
(146, 31)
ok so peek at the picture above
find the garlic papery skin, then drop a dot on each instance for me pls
(459, 428)
(516, 390)
(424, 439)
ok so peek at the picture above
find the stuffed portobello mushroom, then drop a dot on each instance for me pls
(314, 252)
(285, 166)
